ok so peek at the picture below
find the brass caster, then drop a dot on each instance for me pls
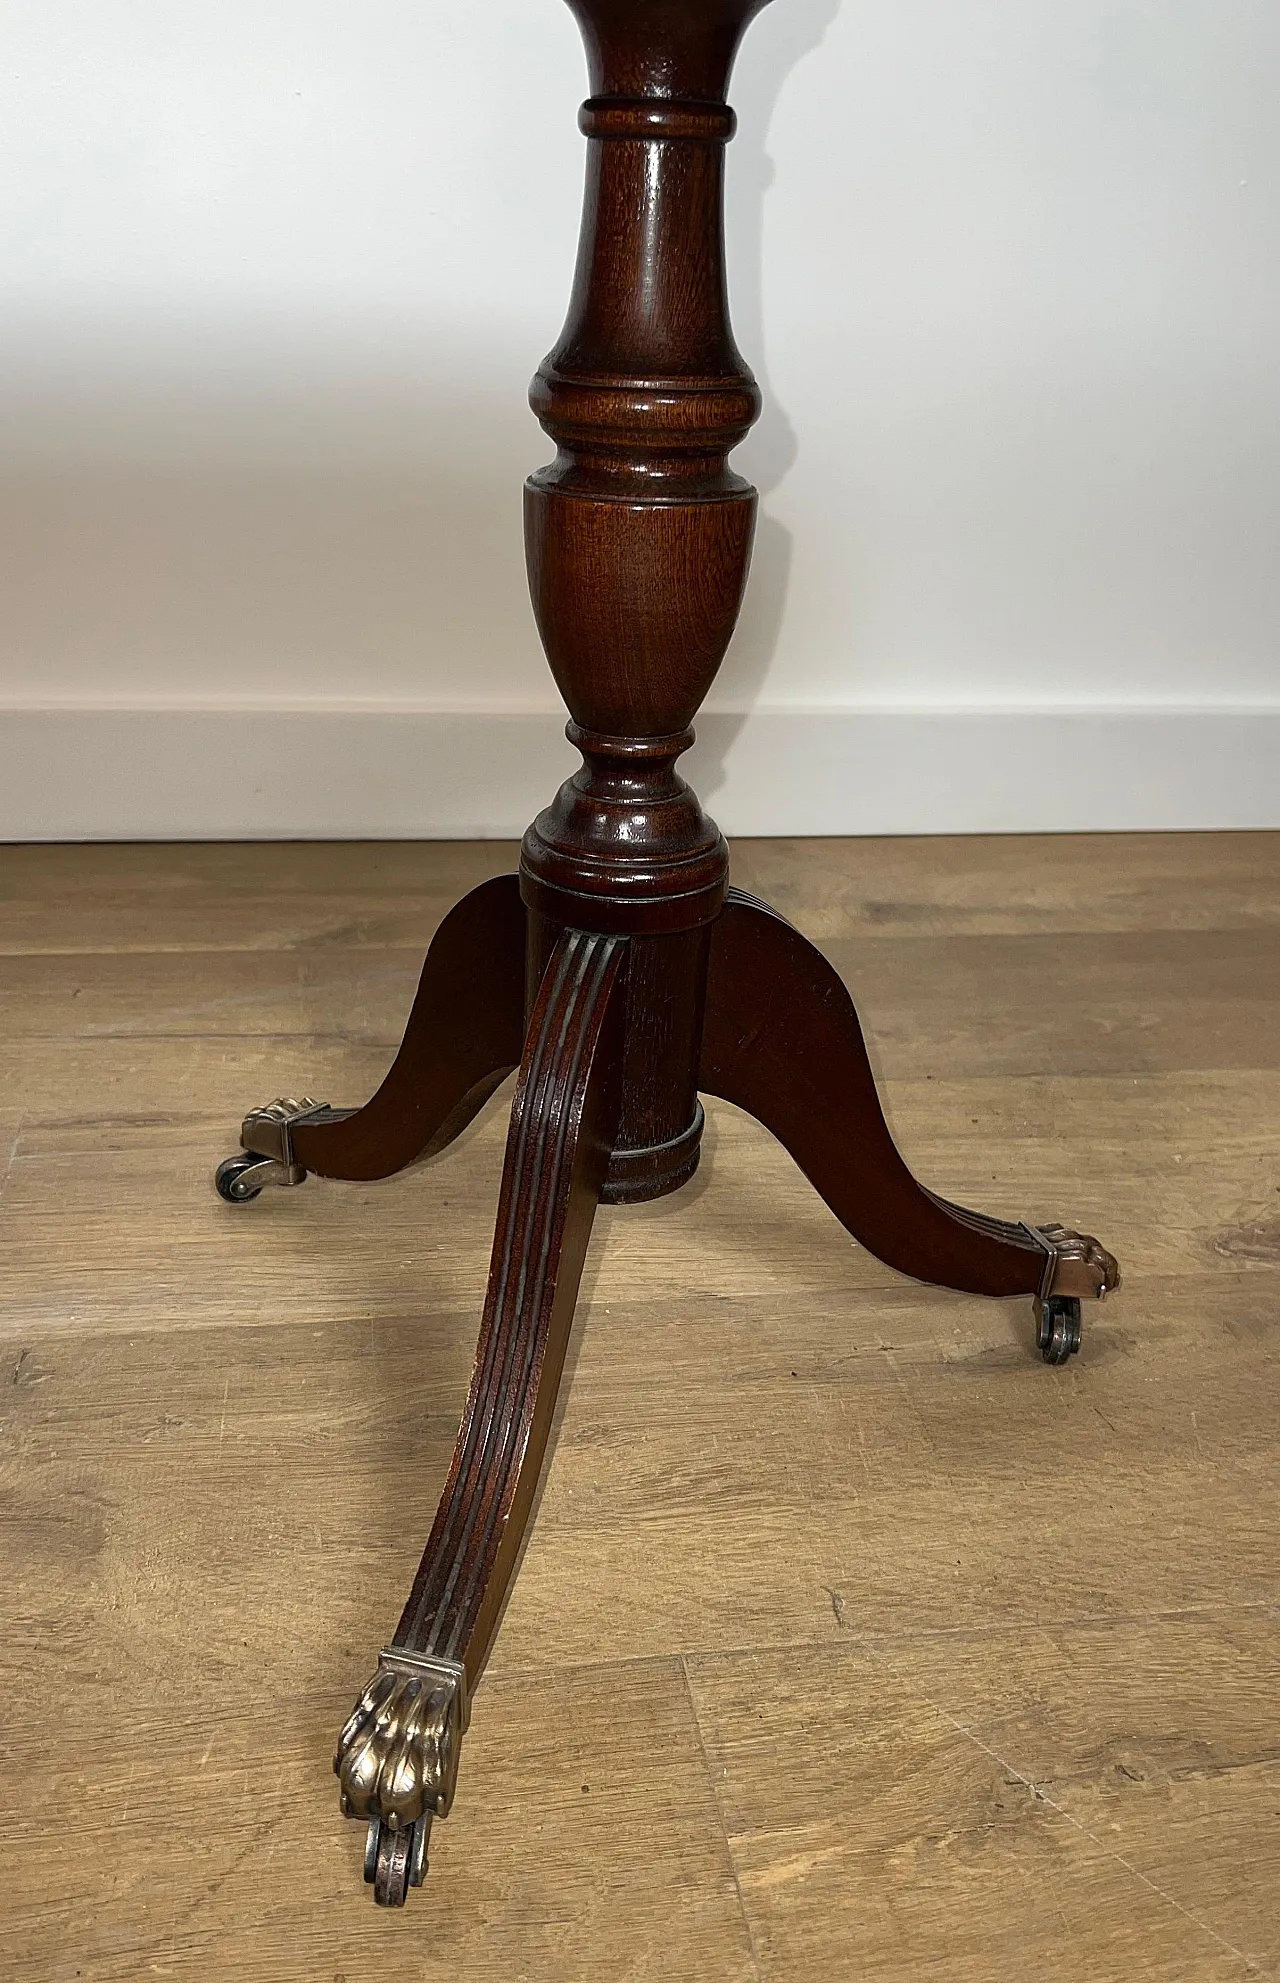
(266, 1156)
(1058, 1327)
(239, 1179)
(397, 1763)
(1076, 1266)
(394, 1861)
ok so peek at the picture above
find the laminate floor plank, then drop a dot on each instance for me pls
(1017, 884)
(1074, 1004)
(876, 1834)
(737, 1467)
(153, 895)
(360, 994)
(953, 1005)
(81, 1085)
(1146, 1735)
(60, 901)
(207, 1842)
(137, 1196)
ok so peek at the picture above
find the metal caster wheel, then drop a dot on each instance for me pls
(267, 1153)
(240, 1178)
(1058, 1327)
(396, 1861)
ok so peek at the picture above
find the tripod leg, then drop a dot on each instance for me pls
(462, 1039)
(781, 1039)
(397, 1757)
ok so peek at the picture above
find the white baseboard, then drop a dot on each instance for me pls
(264, 773)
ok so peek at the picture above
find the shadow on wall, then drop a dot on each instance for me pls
(302, 522)
(776, 42)
(322, 529)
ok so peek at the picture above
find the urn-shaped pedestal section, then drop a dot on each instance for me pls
(636, 602)
(638, 535)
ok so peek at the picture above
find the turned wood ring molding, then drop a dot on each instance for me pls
(641, 117)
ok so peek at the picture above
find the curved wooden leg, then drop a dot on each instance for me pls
(463, 1038)
(781, 1039)
(397, 1757)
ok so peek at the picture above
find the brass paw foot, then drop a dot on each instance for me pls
(266, 1154)
(397, 1763)
(1077, 1267)
(1078, 1264)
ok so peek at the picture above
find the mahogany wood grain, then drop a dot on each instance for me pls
(463, 1038)
(659, 1133)
(563, 1123)
(781, 1039)
(638, 536)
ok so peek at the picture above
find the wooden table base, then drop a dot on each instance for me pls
(618, 970)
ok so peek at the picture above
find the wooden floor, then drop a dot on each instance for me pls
(852, 1642)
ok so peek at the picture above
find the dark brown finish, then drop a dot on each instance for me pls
(463, 1038)
(638, 535)
(782, 1041)
(638, 539)
(660, 1132)
(641, 982)
(563, 1124)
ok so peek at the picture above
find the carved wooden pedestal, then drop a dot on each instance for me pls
(618, 971)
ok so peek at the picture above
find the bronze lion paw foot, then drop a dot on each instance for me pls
(267, 1154)
(397, 1763)
(1077, 1267)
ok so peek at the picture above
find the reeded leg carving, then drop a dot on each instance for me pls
(781, 1039)
(397, 1756)
(463, 1038)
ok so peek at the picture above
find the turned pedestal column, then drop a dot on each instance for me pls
(618, 971)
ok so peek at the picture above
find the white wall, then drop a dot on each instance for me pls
(272, 283)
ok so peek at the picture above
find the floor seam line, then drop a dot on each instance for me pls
(1041, 1796)
(846, 1637)
(12, 1155)
(724, 1830)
